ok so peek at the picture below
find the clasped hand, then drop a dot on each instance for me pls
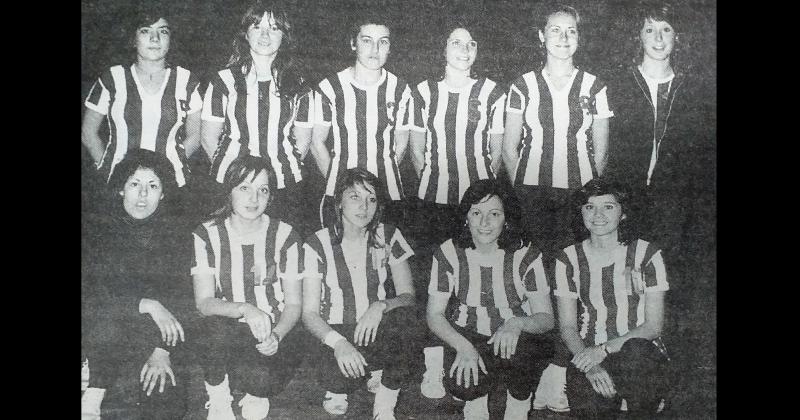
(259, 322)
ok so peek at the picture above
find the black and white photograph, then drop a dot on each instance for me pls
(398, 209)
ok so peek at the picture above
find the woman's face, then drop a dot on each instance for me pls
(152, 42)
(486, 220)
(358, 205)
(602, 214)
(560, 36)
(461, 50)
(372, 45)
(141, 193)
(265, 37)
(658, 39)
(249, 199)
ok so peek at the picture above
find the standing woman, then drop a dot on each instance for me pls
(247, 285)
(620, 282)
(136, 302)
(257, 106)
(456, 139)
(494, 339)
(151, 104)
(560, 114)
(349, 303)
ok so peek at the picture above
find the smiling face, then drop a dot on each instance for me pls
(264, 37)
(141, 193)
(358, 205)
(560, 36)
(486, 220)
(152, 42)
(249, 199)
(461, 50)
(602, 214)
(372, 46)
(658, 39)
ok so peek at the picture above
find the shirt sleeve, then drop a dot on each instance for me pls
(417, 110)
(304, 110)
(496, 116)
(215, 102)
(323, 109)
(401, 117)
(313, 266)
(203, 259)
(399, 250)
(195, 100)
(288, 259)
(601, 104)
(534, 278)
(99, 97)
(442, 281)
(566, 285)
(516, 100)
(655, 274)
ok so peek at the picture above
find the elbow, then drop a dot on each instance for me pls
(548, 322)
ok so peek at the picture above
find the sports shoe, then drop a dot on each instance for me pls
(624, 405)
(374, 381)
(661, 405)
(254, 408)
(517, 409)
(85, 375)
(335, 404)
(432, 386)
(477, 409)
(219, 401)
(91, 400)
(551, 392)
(385, 401)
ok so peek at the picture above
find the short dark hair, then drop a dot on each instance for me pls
(143, 159)
(549, 8)
(240, 169)
(146, 13)
(511, 239)
(602, 186)
(349, 178)
(370, 17)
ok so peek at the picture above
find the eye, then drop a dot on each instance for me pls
(472, 45)
(373, 200)
(384, 42)
(573, 32)
(155, 186)
(264, 190)
(474, 213)
(274, 28)
(610, 207)
(668, 29)
(143, 31)
(134, 184)
(165, 31)
(588, 207)
(649, 30)
(243, 188)
(455, 43)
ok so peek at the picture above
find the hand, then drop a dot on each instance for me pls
(171, 329)
(259, 322)
(155, 371)
(589, 358)
(601, 381)
(268, 347)
(505, 339)
(465, 366)
(367, 327)
(351, 361)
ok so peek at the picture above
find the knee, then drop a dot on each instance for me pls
(639, 350)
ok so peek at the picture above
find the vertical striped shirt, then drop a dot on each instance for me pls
(141, 120)
(258, 122)
(363, 120)
(249, 272)
(611, 297)
(557, 149)
(458, 122)
(343, 299)
(490, 289)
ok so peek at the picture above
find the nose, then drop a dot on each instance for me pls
(253, 196)
(659, 36)
(484, 220)
(154, 36)
(562, 36)
(362, 204)
(143, 191)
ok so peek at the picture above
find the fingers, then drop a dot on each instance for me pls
(171, 375)
(473, 370)
(141, 374)
(181, 335)
(374, 334)
(482, 366)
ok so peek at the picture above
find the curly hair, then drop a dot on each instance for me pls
(143, 159)
(511, 239)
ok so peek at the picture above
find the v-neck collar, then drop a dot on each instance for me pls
(141, 89)
(552, 87)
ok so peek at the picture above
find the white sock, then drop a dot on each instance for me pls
(385, 399)
(434, 359)
(516, 409)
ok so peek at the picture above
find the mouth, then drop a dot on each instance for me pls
(251, 209)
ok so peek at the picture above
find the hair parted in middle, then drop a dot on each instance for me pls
(364, 178)
(602, 186)
(512, 237)
(242, 168)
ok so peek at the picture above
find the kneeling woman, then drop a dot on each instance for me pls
(494, 338)
(350, 270)
(246, 283)
(619, 282)
(136, 306)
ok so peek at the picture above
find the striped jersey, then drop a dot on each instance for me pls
(339, 301)
(258, 122)
(611, 297)
(249, 272)
(363, 120)
(556, 148)
(490, 289)
(458, 122)
(141, 120)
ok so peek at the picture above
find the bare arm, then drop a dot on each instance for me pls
(439, 325)
(192, 141)
(302, 138)
(418, 144)
(496, 151)
(600, 140)
(210, 133)
(652, 326)
(90, 134)
(293, 306)
(312, 290)
(318, 149)
(209, 305)
(403, 285)
(568, 323)
(511, 139)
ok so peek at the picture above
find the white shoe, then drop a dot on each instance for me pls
(219, 401)
(624, 405)
(517, 409)
(91, 400)
(477, 409)
(374, 381)
(385, 401)
(85, 375)
(432, 385)
(552, 390)
(335, 404)
(254, 408)
(661, 405)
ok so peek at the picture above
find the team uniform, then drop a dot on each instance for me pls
(141, 120)
(253, 273)
(258, 122)
(490, 290)
(347, 293)
(556, 155)
(611, 303)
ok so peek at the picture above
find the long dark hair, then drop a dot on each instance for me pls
(284, 70)
(601, 186)
(460, 23)
(511, 239)
(241, 168)
(352, 177)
